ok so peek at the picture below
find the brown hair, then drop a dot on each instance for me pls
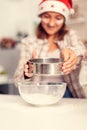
(41, 33)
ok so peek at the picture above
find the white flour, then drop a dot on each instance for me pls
(40, 99)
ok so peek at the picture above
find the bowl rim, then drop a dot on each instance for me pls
(41, 83)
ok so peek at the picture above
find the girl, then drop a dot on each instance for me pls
(53, 37)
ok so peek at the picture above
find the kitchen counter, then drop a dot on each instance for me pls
(68, 114)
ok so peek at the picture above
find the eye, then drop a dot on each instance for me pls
(58, 18)
(46, 16)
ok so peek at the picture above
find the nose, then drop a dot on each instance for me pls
(52, 22)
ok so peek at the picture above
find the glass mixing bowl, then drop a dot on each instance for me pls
(41, 93)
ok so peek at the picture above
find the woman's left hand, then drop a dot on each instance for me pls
(70, 60)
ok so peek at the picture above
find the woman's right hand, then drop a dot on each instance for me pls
(28, 67)
(28, 70)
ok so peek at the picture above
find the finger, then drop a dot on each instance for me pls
(65, 54)
(71, 60)
(26, 66)
(85, 55)
(29, 74)
(68, 70)
(34, 53)
(26, 70)
(30, 70)
(66, 57)
(31, 65)
(69, 65)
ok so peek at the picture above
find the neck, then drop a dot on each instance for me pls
(51, 38)
(52, 45)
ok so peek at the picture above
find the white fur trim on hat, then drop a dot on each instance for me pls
(54, 6)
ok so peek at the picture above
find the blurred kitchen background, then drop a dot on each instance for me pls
(18, 19)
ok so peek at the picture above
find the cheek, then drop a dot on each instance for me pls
(58, 27)
(45, 20)
(44, 26)
(60, 21)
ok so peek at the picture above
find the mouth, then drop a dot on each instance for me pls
(51, 27)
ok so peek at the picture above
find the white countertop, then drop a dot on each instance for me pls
(68, 114)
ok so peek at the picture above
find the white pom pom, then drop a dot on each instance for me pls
(72, 11)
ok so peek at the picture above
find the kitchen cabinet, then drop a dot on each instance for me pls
(9, 60)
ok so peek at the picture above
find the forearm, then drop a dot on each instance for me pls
(18, 76)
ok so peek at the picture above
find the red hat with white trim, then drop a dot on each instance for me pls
(63, 7)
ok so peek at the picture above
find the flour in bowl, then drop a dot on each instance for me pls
(40, 99)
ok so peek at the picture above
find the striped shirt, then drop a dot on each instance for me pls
(70, 40)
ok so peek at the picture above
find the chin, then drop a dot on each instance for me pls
(51, 32)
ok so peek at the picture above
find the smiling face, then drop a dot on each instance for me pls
(52, 22)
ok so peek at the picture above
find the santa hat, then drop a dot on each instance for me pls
(63, 7)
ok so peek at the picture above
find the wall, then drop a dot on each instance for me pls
(17, 15)
(80, 24)
(20, 15)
